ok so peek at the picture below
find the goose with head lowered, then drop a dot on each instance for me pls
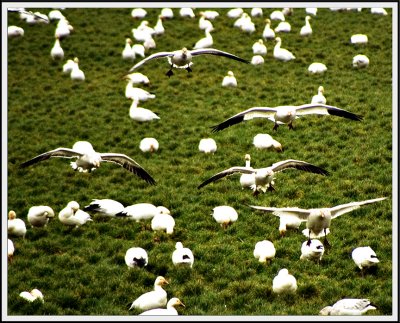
(105, 207)
(183, 58)
(285, 114)
(88, 159)
(349, 306)
(264, 176)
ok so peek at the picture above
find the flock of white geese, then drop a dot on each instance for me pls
(259, 180)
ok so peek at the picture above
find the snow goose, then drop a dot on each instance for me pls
(248, 26)
(56, 51)
(234, 13)
(170, 310)
(268, 32)
(163, 221)
(205, 24)
(360, 61)
(287, 11)
(257, 60)
(348, 306)
(128, 53)
(311, 11)
(264, 176)
(105, 207)
(265, 141)
(285, 114)
(359, 39)
(205, 42)
(138, 13)
(283, 27)
(259, 48)
(15, 31)
(183, 58)
(159, 27)
(149, 43)
(247, 180)
(207, 146)
(319, 97)
(364, 258)
(284, 282)
(142, 211)
(209, 14)
(136, 93)
(379, 11)
(167, 13)
(15, 227)
(229, 80)
(33, 295)
(139, 49)
(63, 29)
(148, 145)
(154, 299)
(286, 221)
(72, 216)
(186, 12)
(136, 257)
(225, 215)
(29, 16)
(182, 255)
(10, 250)
(256, 12)
(141, 114)
(277, 15)
(306, 30)
(314, 251)
(55, 15)
(76, 73)
(68, 66)
(88, 159)
(137, 78)
(282, 54)
(38, 216)
(317, 68)
(264, 251)
(143, 31)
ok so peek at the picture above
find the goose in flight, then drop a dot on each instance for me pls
(264, 176)
(183, 58)
(285, 114)
(318, 220)
(88, 159)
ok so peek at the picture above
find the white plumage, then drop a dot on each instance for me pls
(282, 54)
(76, 73)
(256, 12)
(283, 27)
(68, 66)
(186, 12)
(55, 15)
(205, 42)
(205, 24)
(284, 282)
(138, 13)
(229, 80)
(136, 257)
(268, 32)
(259, 48)
(33, 295)
(142, 211)
(137, 78)
(136, 93)
(313, 251)
(257, 60)
(56, 51)
(159, 27)
(265, 141)
(63, 29)
(141, 114)
(163, 222)
(10, 249)
(264, 251)
(128, 53)
(148, 145)
(207, 145)
(139, 49)
(167, 13)
(38, 216)
(209, 14)
(348, 306)
(15, 31)
(306, 30)
(317, 68)
(225, 215)
(182, 255)
(364, 257)
(360, 61)
(170, 310)
(277, 15)
(234, 13)
(312, 11)
(104, 207)
(379, 11)
(359, 39)
(15, 227)
(247, 180)
(154, 299)
(319, 97)
(72, 216)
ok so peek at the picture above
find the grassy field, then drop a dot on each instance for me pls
(82, 272)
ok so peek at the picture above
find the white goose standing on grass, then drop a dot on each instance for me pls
(139, 50)
(128, 53)
(349, 306)
(183, 58)
(88, 159)
(159, 27)
(364, 258)
(284, 282)
(225, 215)
(170, 310)
(76, 73)
(268, 32)
(154, 299)
(56, 51)
(264, 251)
(259, 48)
(285, 114)
(187, 12)
(282, 54)
(182, 255)
(319, 97)
(247, 180)
(265, 141)
(38, 216)
(142, 211)
(136, 257)
(264, 176)
(141, 114)
(205, 42)
(15, 226)
(306, 30)
(105, 207)
(205, 23)
(68, 66)
(257, 60)
(229, 80)
(163, 221)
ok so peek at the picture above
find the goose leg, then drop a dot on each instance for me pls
(326, 242)
(270, 188)
(188, 69)
(169, 73)
(290, 125)
(275, 126)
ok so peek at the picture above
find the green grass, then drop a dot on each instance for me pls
(82, 272)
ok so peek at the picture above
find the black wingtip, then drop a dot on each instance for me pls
(121, 214)
(345, 114)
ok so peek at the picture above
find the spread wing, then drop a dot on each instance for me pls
(218, 52)
(59, 152)
(345, 208)
(298, 164)
(301, 214)
(326, 109)
(152, 56)
(227, 172)
(129, 164)
(256, 112)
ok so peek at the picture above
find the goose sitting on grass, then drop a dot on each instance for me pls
(364, 258)
(141, 114)
(148, 144)
(360, 61)
(68, 66)
(359, 39)
(154, 299)
(182, 255)
(32, 296)
(264, 251)
(15, 227)
(136, 93)
(72, 216)
(317, 68)
(259, 48)
(56, 51)
(229, 80)
(136, 257)
(105, 207)
(225, 215)
(128, 53)
(265, 141)
(285, 114)
(264, 176)
(306, 30)
(76, 73)
(170, 310)
(10, 250)
(183, 58)
(205, 42)
(284, 282)
(88, 159)
(187, 12)
(319, 97)
(268, 32)
(15, 31)
(38, 216)
(349, 306)
(282, 54)
(137, 78)
(207, 146)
